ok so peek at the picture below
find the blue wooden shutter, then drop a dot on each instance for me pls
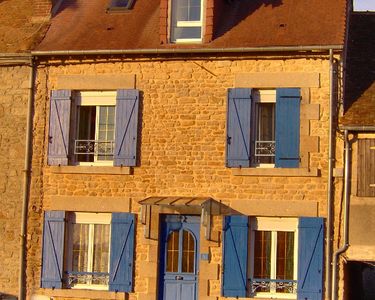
(59, 125)
(310, 258)
(235, 256)
(287, 128)
(127, 106)
(122, 252)
(238, 127)
(53, 249)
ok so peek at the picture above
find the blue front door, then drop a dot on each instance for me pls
(179, 257)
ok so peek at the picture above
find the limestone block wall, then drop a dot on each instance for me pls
(182, 153)
(14, 93)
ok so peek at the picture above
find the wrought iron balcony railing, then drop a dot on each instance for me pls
(265, 148)
(276, 285)
(99, 278)
(94, 147)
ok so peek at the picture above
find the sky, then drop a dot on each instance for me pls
(363, 5)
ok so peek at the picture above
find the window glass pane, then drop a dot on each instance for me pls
(262, 255)
(172, 252)
(265, 133)
(187, 10)
(285, 255)
(86, 132)
(80, 249)
(101, 252)
(188, 252)
(106, 132)
(186, 33)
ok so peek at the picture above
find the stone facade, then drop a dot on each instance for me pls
(14, 94)
(182, 153)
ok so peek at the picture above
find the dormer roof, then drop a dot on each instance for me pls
(87, 25)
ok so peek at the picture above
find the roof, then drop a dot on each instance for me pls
(360, 72)
(85, 25)
(17, 32)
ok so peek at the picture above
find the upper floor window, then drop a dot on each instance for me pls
(263, 128)
(186, 20)
(366, 168)
(93, 128)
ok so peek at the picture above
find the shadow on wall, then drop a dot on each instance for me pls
(7, 296)
(229, 13)
(360, 67)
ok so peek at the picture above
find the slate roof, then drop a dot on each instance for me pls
(85, 25)
(360, 72)
(17, 32)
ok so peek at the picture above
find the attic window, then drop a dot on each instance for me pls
(120, 4)
(186, 21)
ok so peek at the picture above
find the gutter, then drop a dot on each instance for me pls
(363, 128)
(331, 159)
(345, 245)
(188, 51)
(12, 59)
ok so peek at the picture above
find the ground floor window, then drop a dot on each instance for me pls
(88, 250)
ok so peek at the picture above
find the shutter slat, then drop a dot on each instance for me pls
(59, 126)
(53, 249)
(310, 258)
(127, 107)
(287, 127)
(235, 256)
(122, 252)
(238, 127)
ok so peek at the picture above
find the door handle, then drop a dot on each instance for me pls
(179, 278)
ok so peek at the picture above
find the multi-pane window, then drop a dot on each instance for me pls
(186, 20)
(95, 132)
(88, 250)
(273, 256)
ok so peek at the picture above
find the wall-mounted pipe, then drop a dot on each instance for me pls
(26, 186)
(346, 206)
(331, 158)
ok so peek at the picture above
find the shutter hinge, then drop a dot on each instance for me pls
(229, 140)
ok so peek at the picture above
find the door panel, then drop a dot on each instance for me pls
(179, 252)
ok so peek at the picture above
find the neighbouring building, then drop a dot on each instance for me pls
(21, 26)
(358, 125)
(181, 149)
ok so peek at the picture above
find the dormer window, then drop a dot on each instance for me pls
(120, 4)
(186, 21)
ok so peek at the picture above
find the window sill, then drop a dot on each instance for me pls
(90, 294)
(282, 172)
(105, 170)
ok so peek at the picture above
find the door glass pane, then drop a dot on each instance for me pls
(106, 132)
(285, 258)
(172, 252)
(101, 252)
(188, 252)
(86, 133)
(262, 256)
(80, 249)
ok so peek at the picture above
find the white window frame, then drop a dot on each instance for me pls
(95, 98)
(185, 24)
(274, 225)
(260, 96)
(91, 219)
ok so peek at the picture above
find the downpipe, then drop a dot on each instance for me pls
(346, 203)
(26, 186)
